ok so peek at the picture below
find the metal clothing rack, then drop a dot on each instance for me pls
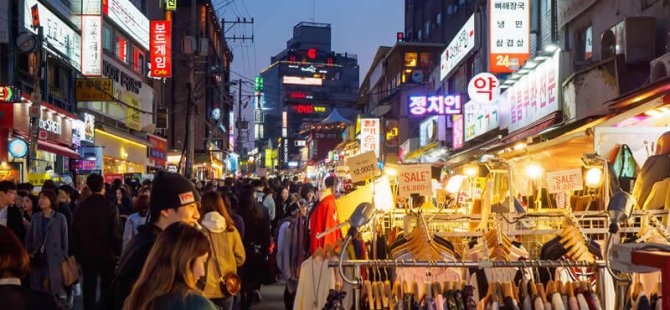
(356, 264)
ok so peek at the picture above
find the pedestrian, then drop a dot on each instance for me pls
(122, 202)
(135, 220)
(96, 239)
(227, 251)
(255, 270)
(10, 216)
(173, 199)
(174, 265)
(47, 243)
(14, 266)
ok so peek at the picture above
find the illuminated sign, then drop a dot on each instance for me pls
(434, 105)
(127, 17)
(458, 48)
(161, 51)
(484, 88)
(369, 135)
(308, 109)
(479, 119)
(57, 36)
(91, 45)
(534, 95)
(509, 38)
(298, 80)
(457, 132)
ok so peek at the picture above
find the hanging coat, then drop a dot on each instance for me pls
(56, 247)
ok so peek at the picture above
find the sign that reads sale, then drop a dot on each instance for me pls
(363, 166)
(415, 179)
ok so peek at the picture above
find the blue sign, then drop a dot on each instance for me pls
(18, 148)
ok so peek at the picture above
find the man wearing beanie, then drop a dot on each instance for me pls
(173, 199)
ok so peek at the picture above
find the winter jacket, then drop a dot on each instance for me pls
(130, 265)
(56, 249)
(227, 245)
(96, 236)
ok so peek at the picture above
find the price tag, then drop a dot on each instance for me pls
(415, 179)
(564, 181)
(363, 166)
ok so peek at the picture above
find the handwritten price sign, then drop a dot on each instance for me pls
(564, 181)
(363, 166)
(415, 179)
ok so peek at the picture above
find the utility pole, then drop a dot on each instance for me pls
(190, 139)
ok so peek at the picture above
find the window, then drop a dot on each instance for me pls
(585, 43)
(107, 38)
(410, 59)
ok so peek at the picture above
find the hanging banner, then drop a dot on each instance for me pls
(370, 135)
(564, 181)
(415, 179)
(509, 38)
(363, 166)
(91, 45)
(161, 51)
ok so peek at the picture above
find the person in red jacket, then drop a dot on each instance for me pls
(324, 217)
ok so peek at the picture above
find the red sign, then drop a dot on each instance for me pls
(110, 177)
(161, 52)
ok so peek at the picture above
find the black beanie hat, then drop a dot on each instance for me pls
(170, 191)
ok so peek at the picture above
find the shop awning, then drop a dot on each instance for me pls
(57, 149)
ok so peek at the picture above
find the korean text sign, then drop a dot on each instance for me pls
(370, 135)
(434, 105)
(458, 48)
(161, 52)
(564, 181)
(363, 166)
(415, 179)
(509, 39)
(534, 95)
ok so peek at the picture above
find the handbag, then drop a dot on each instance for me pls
(70, 271)
(39, 257)
(229, 284)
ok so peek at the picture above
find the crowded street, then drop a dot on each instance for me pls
(334, 155)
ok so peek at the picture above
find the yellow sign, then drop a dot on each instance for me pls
(133, 120)
(94, 89)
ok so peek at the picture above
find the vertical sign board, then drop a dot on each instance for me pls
(534, 95)
(457, 132)
(509, 35)
(91, 45)
(370, 135)
(161, 52)
(458, 48)
(415, 179)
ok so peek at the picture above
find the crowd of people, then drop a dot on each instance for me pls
(168, 243)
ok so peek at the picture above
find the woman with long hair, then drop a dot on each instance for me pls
(47, 242)
(227, 250)
(257, 243)
(168, 278)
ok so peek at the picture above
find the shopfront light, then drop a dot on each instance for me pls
(593, 177)
(534, 171)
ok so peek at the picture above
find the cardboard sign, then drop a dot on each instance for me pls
(564, 181)
(363, 166)
(415, 179)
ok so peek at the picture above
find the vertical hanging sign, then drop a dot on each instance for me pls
(509, 38)
(91, 45)
(161, 52)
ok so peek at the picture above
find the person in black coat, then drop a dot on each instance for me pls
(96, 239)
(11, 216)
(14, 266)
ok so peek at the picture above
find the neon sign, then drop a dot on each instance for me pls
(434, 105)
(308, 109)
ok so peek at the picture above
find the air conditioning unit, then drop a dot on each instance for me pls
(660, 68)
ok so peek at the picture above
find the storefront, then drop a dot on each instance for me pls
(122, 153)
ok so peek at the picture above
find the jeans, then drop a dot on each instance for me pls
(223, 303)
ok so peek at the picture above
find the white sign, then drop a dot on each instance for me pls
(458, 48)
(564, 181)
(370, 135)
(363, 166)
(534, 95)
(91, 45)
(415, 179)
(127, 17)
(484, 88)
(509, 39)
(479, 119)
(58, 36)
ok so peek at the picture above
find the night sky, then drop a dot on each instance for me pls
(358, 27)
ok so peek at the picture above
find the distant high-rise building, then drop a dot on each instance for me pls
(304, 83)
